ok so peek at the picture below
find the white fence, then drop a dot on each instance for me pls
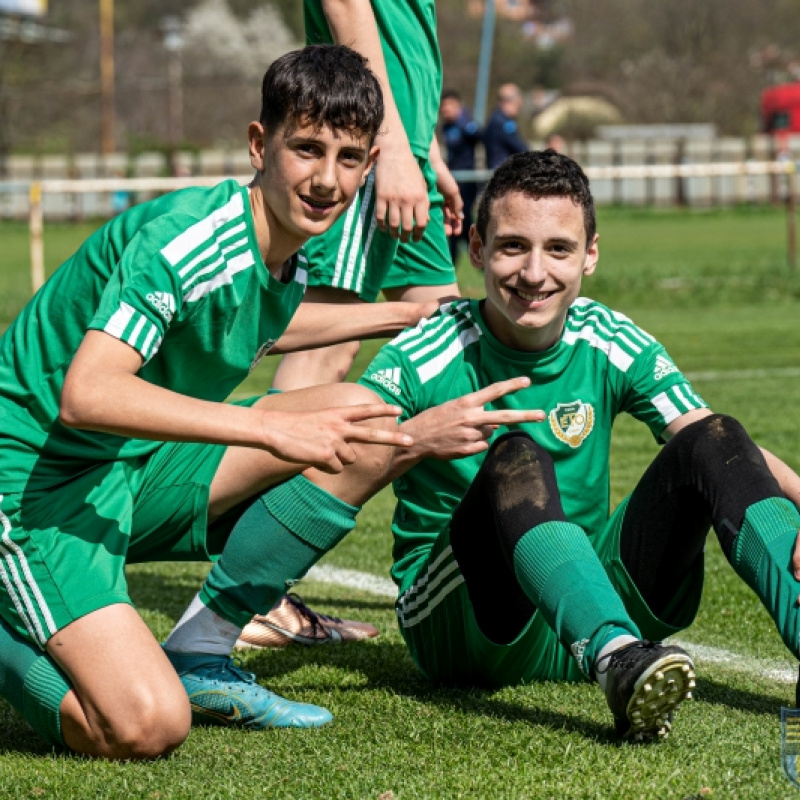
(673, 180)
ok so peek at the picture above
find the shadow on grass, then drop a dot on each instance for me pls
(385, 665)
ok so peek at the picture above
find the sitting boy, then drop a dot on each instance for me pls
(508, 566)
(116, 445)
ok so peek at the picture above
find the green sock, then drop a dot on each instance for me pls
(761, 556)
(32, 683)
(560, 572)
(274, 543)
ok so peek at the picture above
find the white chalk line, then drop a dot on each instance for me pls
(771, 669)
(744, 374)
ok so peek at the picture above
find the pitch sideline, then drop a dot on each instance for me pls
(778, 671)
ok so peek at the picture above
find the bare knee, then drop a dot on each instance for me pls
(151, 726)
(314, 367)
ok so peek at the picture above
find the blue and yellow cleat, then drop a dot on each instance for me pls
(223, 694)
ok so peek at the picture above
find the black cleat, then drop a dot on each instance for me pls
(647, 681)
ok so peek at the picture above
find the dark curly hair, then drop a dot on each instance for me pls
(539, 173)
(322, 84)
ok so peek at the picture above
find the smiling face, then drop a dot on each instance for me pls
(534, 258)
(306, 178)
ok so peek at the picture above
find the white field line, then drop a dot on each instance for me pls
(778, 671)
(744, 374)
(353, 579)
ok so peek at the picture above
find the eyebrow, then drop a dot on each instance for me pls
(354, 148)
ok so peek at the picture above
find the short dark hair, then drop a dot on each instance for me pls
(539, 173)
(451, 94)
(322, 84)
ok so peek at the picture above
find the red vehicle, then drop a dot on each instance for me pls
(780, 108)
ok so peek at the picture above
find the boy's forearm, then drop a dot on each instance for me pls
(102, 392)
(125, 405)
(787, 478)
(322, 324)
(352, 23)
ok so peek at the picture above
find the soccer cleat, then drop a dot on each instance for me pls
(646, 683)
(223, 694)
(292, 621)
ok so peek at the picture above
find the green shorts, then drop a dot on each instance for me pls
(439, 626)
(357, 256)
(63, 550)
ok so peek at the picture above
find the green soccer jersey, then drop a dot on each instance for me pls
(180, 279)
(602, 365)
(407, 31)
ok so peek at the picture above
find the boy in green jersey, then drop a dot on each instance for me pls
(116, 445)
(508, 566)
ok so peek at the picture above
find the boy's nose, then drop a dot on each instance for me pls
(325, 175)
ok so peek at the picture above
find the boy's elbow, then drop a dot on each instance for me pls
(68, 413)
(73, 406)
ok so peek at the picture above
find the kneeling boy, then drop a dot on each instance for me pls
(116, 445)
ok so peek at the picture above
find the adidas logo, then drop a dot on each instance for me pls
(388, 378)
(663, 368)
(578, 649)
(164, 303)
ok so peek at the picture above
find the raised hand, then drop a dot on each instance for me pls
(322, 439)
(402, 206)
(463, 427)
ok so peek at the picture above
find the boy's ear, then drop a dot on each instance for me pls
(257, 141)
(372, 157)
(475, 248)
(592, 255)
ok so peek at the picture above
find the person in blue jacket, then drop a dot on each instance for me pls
(502, 137)
(461, 134)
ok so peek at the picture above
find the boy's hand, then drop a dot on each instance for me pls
(453, 202)
(463, 427)
(402, 205)
(322, 439)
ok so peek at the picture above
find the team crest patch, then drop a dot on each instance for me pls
(572, 422)
(261, 352)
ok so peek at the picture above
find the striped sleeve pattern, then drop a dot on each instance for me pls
(609, 331)
(136, 329)
(430, 347)
(211, 252)
(677, 400)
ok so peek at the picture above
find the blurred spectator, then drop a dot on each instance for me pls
(460, 134)
(502, 138)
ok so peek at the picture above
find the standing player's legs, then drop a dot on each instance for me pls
(711, 473)
(522, 563)
(282, 523)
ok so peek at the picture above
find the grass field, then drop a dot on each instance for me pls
(715, 289)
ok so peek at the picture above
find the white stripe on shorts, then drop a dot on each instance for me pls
(427, 594)
(14, 582)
